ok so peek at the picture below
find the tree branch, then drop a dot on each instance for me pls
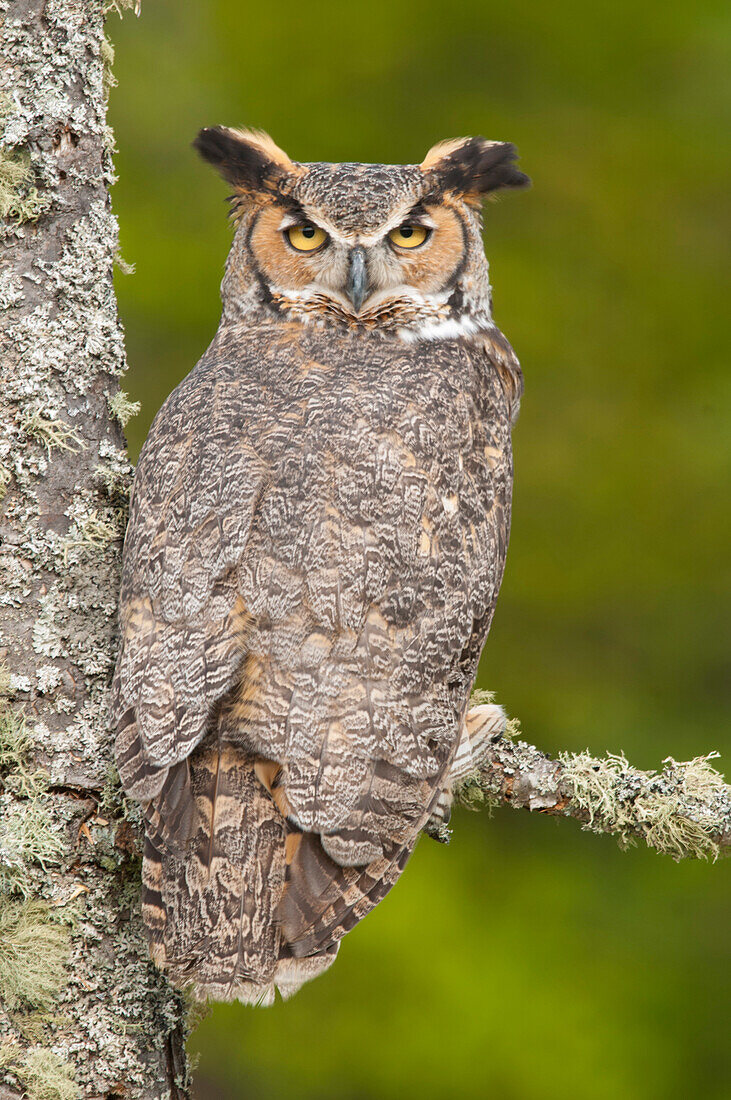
(683, 810)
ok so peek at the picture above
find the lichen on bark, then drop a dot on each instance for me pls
(683, 810)
(82, 1010)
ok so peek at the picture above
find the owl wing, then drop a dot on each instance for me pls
(321, 605)
(423, 645)
(183, 624)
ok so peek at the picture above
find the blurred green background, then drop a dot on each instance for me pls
(528, 959)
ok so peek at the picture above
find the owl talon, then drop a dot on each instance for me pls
(484, 724)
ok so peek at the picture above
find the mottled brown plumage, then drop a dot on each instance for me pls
(316, 542)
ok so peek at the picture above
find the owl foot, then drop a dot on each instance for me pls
(483, 725)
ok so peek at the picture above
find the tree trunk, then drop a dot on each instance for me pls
(82, 1010)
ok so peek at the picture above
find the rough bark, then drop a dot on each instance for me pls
(82, 1012)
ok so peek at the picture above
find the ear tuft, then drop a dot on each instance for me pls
(248, 159)
(473, 166)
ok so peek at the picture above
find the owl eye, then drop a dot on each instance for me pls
(306, 238)
(408, 236)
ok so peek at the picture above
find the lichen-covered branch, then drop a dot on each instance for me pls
(684, 810)
(83, 1013)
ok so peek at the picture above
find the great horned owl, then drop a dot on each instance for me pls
(316, 541)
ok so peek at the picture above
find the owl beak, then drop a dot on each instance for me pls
(357, 285)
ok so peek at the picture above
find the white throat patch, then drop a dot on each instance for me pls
(450, 329)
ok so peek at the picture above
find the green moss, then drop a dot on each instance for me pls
(111, 801)
(671, 810)
(480, 696)
(593, 783)
(512, 729)
(122, 408)
(20, 199)
(10, 1054)
(92, 531)
(18, 771)
(26, 837)
(46, 1076)
(26, 828)
(106, 51)
(32, 1027)
(668, 830)
(120, 5)
(53, 434)
(34, 951)
(123, 265)
(664, 816)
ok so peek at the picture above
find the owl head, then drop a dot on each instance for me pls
(396, 248)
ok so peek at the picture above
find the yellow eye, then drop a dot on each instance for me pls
(306, 238)
(408, 236)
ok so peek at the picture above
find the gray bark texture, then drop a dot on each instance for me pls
(83, 1012)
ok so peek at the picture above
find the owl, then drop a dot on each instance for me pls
(317, 535)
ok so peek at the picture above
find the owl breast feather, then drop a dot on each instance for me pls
(351, 494)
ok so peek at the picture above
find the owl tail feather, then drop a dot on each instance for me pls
(210, 911)
(324, 901)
